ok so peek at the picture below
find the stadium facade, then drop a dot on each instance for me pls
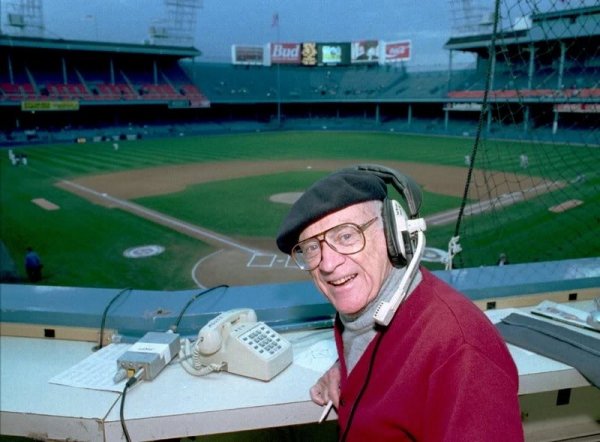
(543, 83)
(537, 81)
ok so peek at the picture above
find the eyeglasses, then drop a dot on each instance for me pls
(347, 239)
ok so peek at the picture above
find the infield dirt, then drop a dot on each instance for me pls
(234, 266)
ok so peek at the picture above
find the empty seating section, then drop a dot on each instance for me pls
(59, 91)
(93, 83)
(123, 80)
(158, 92)
(577, 83)
(113, 92)
(11, 92)
(192, 93)
(233, 83)
(527, 93)
(100, 92)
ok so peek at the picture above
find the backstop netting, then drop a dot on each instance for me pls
(538, 75)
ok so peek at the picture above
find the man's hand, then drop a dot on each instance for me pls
(327, 387)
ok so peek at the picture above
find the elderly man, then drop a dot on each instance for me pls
(439, 370)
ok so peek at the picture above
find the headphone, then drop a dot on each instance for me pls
(403, 234)
(400, 245)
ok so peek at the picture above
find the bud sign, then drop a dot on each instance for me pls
(285, 53)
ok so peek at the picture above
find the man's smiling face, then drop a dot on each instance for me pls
(350, 282)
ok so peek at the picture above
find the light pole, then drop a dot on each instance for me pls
(93, 18)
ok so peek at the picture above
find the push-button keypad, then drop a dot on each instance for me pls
(263, 340)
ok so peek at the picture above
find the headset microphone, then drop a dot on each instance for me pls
(386, 309)
(404, 234)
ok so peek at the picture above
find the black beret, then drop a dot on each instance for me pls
(330, 194)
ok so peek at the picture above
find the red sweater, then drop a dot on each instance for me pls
(441, 372)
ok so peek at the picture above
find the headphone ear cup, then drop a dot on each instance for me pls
(391, 236)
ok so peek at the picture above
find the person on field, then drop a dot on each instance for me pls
(439, 370)
(502, 260)
(33, 265)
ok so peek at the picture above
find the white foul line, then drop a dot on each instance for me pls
(164, 219)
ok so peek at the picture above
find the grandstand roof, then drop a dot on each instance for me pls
(88, 46)
(565, 13)
(547, 26)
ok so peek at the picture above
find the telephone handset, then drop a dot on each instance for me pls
(210, 336)
(241, 345)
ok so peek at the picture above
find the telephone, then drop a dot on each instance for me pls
(235, 342)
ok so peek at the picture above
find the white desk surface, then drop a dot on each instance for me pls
(177, 404)
(31, 406)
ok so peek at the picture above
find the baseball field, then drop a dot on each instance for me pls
(197, 211)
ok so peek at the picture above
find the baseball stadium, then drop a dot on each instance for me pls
(152, 184)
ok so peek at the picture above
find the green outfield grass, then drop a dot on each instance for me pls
(82, 243)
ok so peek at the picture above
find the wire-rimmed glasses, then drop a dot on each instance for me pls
(347, 239)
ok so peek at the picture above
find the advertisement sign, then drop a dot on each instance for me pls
(397, 51)
(309, 54)
(579, 108)
(247, 54)
(285, 53)
(66, 105)
(366, 51)
(463, 107)
(333, 53)
(323, 54)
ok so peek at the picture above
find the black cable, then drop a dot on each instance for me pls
(130, 382)
(365, 384)
(121, 414)
(105, 313)
(192, 299)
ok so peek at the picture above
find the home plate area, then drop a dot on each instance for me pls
(270, 260)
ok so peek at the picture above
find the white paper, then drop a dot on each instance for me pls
(319, 356)
(562, 313)
(95, 372)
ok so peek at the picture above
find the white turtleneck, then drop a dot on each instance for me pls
(359, 329)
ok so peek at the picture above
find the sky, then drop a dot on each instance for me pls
(222, 23)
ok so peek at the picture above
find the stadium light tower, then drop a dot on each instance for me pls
(179, 29)
(22, 17)
(471, 17)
